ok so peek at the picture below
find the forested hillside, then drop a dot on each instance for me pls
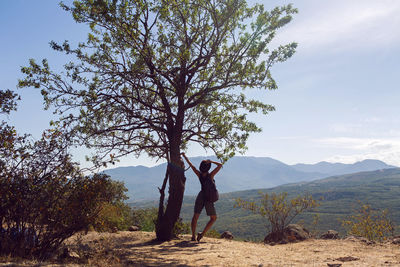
(340, 196)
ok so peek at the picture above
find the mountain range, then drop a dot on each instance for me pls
(239, 173)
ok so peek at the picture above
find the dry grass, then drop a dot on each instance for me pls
(140, 249)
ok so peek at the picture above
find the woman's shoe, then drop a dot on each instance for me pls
(199, 236)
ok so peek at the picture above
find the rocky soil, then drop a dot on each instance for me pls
(140, 249)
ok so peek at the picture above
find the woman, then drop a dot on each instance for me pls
(201, 202)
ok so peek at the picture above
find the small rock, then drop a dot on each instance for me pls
(227, 235)
(292, 233)
(331, 234)
(369, 242)
(134, 228)
(348, 258)
(334, 264)
(297, 232)
(396, 241)
(360, 239)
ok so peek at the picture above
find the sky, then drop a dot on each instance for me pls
(338, 98)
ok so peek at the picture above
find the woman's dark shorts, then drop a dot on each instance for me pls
(201, 203)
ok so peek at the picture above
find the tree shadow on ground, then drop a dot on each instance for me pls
(156, 253)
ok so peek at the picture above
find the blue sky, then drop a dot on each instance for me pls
(338, 97)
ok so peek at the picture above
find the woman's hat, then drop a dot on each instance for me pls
(205, 166)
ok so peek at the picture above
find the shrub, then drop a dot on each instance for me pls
(114, 215)
(213, 234)
(145, 218)
(372, 224)
(180, 228)
(278, 210)
(44, 196)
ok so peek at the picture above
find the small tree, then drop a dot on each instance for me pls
(156, 75)
(375, 225)
(278, 210)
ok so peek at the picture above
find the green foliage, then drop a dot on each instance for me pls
(8, 101)
(375, 225)
(314, 224)
(113, 217)
(213, 233)
(154, 73)
(181, 228)
(44, 196)
(116, 215)
(145, 218)
(277, 209)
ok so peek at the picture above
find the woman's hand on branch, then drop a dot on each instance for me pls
(215, 162)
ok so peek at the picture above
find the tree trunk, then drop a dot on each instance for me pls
(161, 202)
(166, 221)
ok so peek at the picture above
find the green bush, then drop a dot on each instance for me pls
(370, 223)
(145, 218)
(116, 215)
(181, 228)
(44, 196)
(278, 210)
(112, 217)
(213, 234)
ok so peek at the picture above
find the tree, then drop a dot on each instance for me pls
(156, 75)
(278, 210)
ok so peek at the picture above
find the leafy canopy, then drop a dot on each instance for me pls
(155, 75)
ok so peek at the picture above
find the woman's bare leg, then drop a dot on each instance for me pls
(194, 225)
(212, 220)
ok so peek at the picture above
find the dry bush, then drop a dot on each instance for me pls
(278, 210)
(375, 225)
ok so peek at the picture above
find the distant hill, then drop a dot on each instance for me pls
(341, 194)
(330, 169)
(239, 173)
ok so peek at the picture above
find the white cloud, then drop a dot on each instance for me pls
(383, 126)
(345, 128)
(356, 149)
(344, 24)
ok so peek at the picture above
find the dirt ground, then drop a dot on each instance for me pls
(140, 249)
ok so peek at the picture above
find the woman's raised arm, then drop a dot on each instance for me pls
(191, 165)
